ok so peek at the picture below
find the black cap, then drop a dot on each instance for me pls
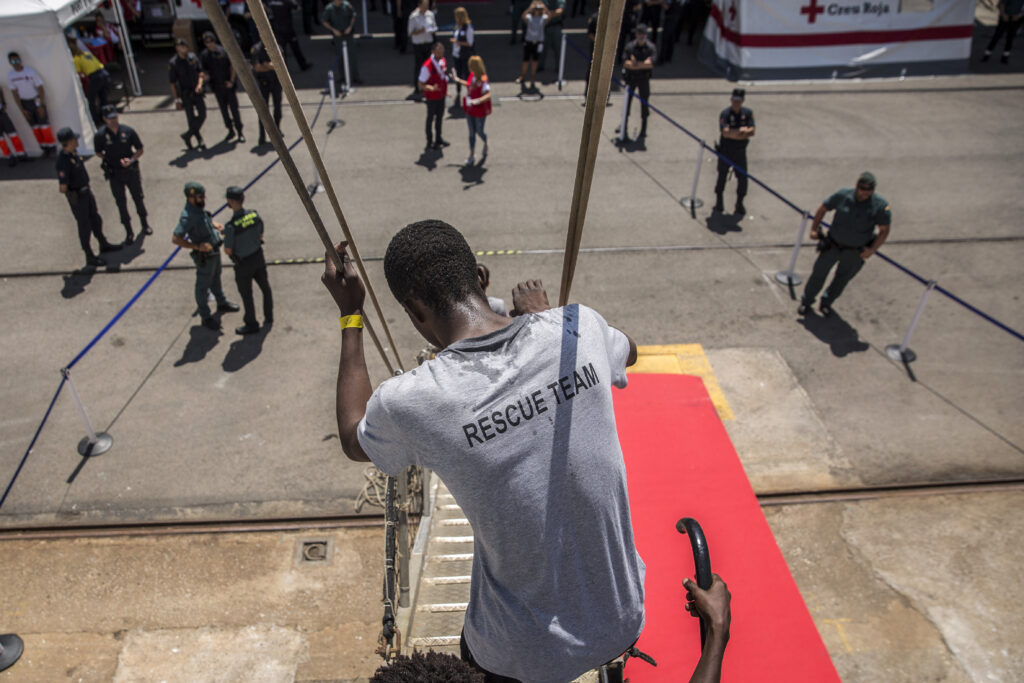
(641, 28)
(235, 192)
(867, 178)
(109, 111)
(208, 35)
(65, 134)
(739, 94)
(181, 41)
(192, 188)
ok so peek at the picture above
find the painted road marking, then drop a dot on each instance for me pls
(683, 359)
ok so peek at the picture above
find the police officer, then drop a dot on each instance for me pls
(120, 148)
(243, 243)
(74, 184)
(221, 75)
(637, 66)
(737, 126)
(187, 80)
(198, 232)
(850, 242)
(269, 85)
(284, 29)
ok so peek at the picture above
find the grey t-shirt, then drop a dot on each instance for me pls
(520, 425)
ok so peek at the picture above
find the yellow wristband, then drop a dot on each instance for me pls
(354, 320)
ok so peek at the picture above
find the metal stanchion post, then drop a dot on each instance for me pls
(900, 352)
(344, 58)
(693, 202)
(335, 121)
(625, 103)
(93, 443)
(366, 26)
(561, 64)
(788, 277)
(11, 647)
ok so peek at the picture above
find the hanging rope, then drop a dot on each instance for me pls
(609, 20)
(241, 66)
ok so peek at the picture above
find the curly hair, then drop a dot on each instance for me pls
(429, 667)
(431, 261)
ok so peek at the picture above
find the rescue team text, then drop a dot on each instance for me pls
(878, 8)
(517, 412)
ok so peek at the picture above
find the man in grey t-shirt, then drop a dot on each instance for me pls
(516, 416)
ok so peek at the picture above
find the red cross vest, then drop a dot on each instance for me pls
(475, 91)
(436, 78)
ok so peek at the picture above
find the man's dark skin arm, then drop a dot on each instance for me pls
(354, 388)
(713, 606)
(819, 215)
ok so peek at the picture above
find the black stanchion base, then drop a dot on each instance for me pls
(695, 202)
(336, 123)
(102, 444)
(11, 647)
(784, 278)
(905, 356)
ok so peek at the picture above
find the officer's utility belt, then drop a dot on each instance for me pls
(201, 257)
(255, 256)
(843, 247)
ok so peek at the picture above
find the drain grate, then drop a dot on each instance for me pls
(314, 551)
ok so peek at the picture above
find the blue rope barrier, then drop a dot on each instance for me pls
(35, 437)
(124, 309)
(796, 208)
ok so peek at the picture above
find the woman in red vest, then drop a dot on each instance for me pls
(476, 104)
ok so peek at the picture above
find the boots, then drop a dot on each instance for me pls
(719, 204)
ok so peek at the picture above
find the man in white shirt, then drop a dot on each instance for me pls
(30, 96)
(422, 27)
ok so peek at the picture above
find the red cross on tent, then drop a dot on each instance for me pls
(812, 11)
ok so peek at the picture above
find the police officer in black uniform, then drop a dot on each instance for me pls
(737, 126)
(187, 80)
(74, 184)
(637, 66)
(284, 29)
(221, 75)
(243, 243)
(120, 148)
(270, 86)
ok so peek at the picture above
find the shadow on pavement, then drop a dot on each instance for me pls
(472, 175)
(429, 158)
(76, 282)
(187, 156)
(631, 145)
(836, 332)
(245, 350)
(200, 342)
(723, 223)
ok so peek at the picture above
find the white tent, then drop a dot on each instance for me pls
(767, 39)
(35, 30)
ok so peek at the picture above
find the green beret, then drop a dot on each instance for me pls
(192, 188)
(235, 192)
(867, 178)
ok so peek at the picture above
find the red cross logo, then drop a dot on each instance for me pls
(812, 11)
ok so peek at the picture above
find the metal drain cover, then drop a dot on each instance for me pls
(314, 551)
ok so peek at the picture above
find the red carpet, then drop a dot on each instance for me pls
(681, 463)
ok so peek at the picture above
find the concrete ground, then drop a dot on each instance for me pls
(210, 427)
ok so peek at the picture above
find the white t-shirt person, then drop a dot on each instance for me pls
(519, 424)
(422, 20)
(25, 83)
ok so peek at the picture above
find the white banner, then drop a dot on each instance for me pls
(764, 36)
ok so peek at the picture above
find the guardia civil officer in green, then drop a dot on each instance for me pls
(120, 148)
(243, 243)
(74, 185)
(850, 242)
(198, 232)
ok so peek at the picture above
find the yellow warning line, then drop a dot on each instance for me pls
(683, 359)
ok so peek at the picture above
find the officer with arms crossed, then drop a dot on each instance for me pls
(221, 75)
(737, 126)
(637, 68)
(197, 231)
(120, 148)
(516, 416)
(243, 243)
(851, 241)
(74, 184)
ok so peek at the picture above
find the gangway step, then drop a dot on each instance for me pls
(434, 641)
(443, 607)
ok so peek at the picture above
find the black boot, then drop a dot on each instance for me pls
(241, 138)
(740, 209)
(146, 230)
(187, 137)
(129, 236)
(200, 145)
(719, 204)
